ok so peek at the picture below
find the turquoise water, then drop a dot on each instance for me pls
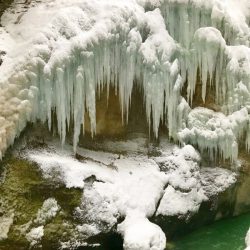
(226, 234)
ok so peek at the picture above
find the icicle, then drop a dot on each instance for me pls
(75, 56)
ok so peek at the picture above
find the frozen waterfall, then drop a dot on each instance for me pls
(72, 50)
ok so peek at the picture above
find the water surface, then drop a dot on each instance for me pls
(227, 234)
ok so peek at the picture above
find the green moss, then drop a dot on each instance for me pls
(57, 229)
(23, 190)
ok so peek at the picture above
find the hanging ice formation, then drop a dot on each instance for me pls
(61, 54)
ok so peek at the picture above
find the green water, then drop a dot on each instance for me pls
(228, 234)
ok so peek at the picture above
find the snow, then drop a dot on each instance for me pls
(35, 235)
(179, 203)
(216, 180)
(134, 187)
(34, 229)
(97, 209)
(129, 176)
(139, 233)
(184, 192)
(72, 50)
(47, 212)
(5, 224)
(87, 229)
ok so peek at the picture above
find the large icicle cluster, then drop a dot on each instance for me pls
(71, 50)
(213, 130)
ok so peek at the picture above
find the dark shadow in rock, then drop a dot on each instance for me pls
(111, 241)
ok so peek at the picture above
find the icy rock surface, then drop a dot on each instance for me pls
(60, 54)
(134, 187)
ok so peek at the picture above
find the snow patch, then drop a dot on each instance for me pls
(35, 235)
(179, 203)
(139, 233)
(5, 224)
(48, 211)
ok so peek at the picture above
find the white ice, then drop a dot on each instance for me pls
(60, 54)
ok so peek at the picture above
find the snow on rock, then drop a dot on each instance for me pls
(34, 229)
(68, 169)
(179, 203)
(134, 187)
(98, 210)
(139, 233)
(71, 50)
(35, 235)
(189, 185)
(216, 180)
(130, 181)
(5, 224)
(48, 211)
(87, 229)
(181, 169)
(184, 194)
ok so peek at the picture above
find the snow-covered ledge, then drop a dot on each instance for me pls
(133, 188)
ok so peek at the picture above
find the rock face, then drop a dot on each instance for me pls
(109, 120)
(4, 5)
(28, 203)
(242, 204)
(108, 116)
(99, 194)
